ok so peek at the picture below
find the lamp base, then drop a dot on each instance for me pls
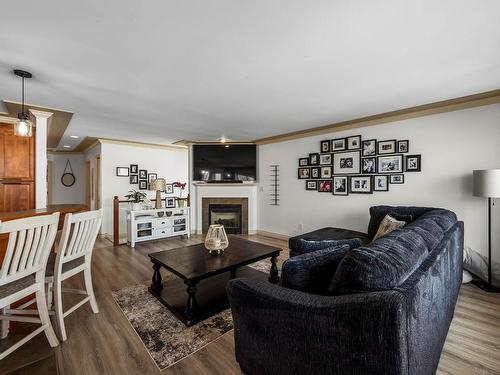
(485, 286)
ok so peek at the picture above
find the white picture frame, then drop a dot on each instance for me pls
(348, 162)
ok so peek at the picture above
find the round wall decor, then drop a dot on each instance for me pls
(68, 178)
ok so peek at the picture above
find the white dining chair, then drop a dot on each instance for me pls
(74, 255)
(23, 273)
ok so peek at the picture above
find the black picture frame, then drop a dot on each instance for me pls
(382, 144)
(354, 142)
(338, 144)
(314, 158)
(325, 159)
(398, 178)
(340, 160)
(143, 174)
(325, 146)
(170, 202)
(383, 169)
(303, 162)
(122, 171)
(134, 168)
(169, 188)
(369, 147)
(152, 177)
(342, 190)
(315, 172)
(352, 181)
(324, 186)
(312, 185)
(303, 176)
(367, 168)
(143, 184)
(376, 186)
(134, 179)
(326, 172)
(413, 167)
(403, 146)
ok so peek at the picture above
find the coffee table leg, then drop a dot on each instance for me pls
(191, 301)
(156, 284)
(273, 278)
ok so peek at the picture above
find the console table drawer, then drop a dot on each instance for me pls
(179, 221)
(163, 223)
(163, 232)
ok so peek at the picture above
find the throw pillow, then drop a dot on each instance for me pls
(306, 246)
(312, 272)
(387, 225)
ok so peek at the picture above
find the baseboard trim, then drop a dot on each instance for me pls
(278, 236)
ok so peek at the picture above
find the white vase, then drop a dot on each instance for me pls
(136, 206)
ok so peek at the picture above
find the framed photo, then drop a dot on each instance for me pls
(325, 186)
(152, 177)
(122, 171)
(143, 184)
(340, 185)
(338, 144)
(403, 146)
(386, 147)
(369, 147)
(169, 188)
(314, 159)
(354, 142)
(315, 172)
(311, 185)
(348, 162)
(326, 172)
(304, 173)
(325, 159)
(397, 179)
(412, 163)
(361, 184)
(143, 174)
(325, 146)
(369, 165)
(134, 168)
(169, 202)
(390, 164)
(134, 179)
(381, 182)
(303, 162)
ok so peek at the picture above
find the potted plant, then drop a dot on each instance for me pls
(136, 198)
(181, 202)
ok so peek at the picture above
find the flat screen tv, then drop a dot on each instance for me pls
(224, 163)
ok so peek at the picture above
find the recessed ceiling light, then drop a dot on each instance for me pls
(74, 136)
(66, 146)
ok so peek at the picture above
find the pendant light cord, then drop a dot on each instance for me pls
(22, 104)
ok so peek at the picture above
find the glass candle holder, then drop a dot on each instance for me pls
(216, 240)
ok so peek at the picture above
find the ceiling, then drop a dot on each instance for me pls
(160, 71)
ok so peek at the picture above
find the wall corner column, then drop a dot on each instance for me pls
(41, 123)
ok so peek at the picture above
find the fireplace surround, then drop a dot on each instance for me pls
(230, 212)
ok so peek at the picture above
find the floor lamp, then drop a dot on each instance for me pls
(487, 185)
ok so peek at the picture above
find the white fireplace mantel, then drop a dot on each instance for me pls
(224, 190)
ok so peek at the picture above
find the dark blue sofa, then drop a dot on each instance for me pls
(383, 308)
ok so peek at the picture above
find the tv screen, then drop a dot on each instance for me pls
(224, 162)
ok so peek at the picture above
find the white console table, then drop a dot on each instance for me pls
(154, 224)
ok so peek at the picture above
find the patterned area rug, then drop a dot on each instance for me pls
(165, 337)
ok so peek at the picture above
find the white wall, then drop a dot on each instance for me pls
(451, 144)
(68, 195)
(168, 163)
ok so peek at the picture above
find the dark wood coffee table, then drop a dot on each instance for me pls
(200, 290)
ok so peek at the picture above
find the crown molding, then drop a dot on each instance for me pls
(177, 147)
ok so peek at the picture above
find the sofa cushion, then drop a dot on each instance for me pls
(312, 272)
(408, 214)
(307, 246)
(327, 233)
(387, 225)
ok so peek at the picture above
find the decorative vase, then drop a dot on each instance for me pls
(136, 206)
(216, 240)
(181, 203)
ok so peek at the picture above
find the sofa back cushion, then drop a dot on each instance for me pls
(390, 260)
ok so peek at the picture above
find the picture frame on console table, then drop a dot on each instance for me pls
(390, 164)
(325, 186)
(341, 185)
(170, 202)
(361, 185)
(347, 162)
(312, 185)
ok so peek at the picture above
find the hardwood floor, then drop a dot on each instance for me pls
(105, 343)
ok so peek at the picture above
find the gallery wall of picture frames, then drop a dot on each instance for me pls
(140, 177)
(353, 165)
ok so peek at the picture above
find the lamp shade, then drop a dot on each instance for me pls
(159, 184)
(486, 183)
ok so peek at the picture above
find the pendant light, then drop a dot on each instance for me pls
(23, 126)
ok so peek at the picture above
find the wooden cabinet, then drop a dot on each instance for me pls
(17, 170)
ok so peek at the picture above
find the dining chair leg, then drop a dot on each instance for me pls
(58, 307)
(5, 324)
(90, 290)
(50, 295)
(41, 304)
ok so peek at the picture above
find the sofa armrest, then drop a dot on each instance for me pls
(282, 331)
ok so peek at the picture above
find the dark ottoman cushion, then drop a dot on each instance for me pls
(312, 272)
(306, 246)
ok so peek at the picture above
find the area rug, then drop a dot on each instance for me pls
(165, 337)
